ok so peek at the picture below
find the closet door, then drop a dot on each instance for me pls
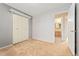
(24, 25)
(20, 28)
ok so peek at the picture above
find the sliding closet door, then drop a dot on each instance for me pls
(20, 28)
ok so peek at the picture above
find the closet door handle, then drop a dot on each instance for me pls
(17, 28)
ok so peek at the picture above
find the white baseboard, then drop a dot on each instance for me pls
(6, 46)
(21, 41)
(73, 53)
(44, 40)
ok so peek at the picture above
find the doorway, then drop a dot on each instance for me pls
(61, 27)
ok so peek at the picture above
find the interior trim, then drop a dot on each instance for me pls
(6, 46)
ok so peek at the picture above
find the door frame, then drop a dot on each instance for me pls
(75, 17)
(59, 14)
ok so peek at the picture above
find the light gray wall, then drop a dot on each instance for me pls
(43, 25)
(43, 28)
(77, 10)
(5, 26)
(30, 28)
(71, 28)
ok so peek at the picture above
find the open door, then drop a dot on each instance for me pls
(71, 28)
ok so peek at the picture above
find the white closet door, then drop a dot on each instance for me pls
(24, 28)
(20, 28)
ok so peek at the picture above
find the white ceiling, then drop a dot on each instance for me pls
(37, 8)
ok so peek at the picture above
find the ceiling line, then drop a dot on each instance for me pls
(18, 10)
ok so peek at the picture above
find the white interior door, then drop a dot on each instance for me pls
(71, 28)
(20, 28)
(64, 27)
